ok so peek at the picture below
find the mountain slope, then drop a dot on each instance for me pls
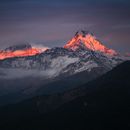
(24, 77)
(16, 90)
(61, 61)
(27, 74)
(104, 106)
(100, 104)
(89, 41)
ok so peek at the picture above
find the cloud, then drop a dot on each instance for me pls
(39, 46)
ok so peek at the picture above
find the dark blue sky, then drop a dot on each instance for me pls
(53, 22)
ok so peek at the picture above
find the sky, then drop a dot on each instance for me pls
(53, 22)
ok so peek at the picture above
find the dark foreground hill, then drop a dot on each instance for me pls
(98, 105)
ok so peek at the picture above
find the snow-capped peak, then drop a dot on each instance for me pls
(88, 41)
(20, 51)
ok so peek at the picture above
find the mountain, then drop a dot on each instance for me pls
(83, 53)
(100, 104)
(22, 77)
(59, 60)
(88, 41)
(25, 77)
(20, 51)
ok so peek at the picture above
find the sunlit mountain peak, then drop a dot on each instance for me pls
(20, 51)
(89, 41)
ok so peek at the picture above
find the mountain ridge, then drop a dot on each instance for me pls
(82, 39)
(62, 60)
(89, 41)
(21, 50)
(49, 66)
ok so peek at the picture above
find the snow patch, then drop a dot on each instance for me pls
(87, 66)
(60, 63)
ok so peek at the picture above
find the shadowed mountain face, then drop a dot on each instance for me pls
(15, 90)
(100, 104)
